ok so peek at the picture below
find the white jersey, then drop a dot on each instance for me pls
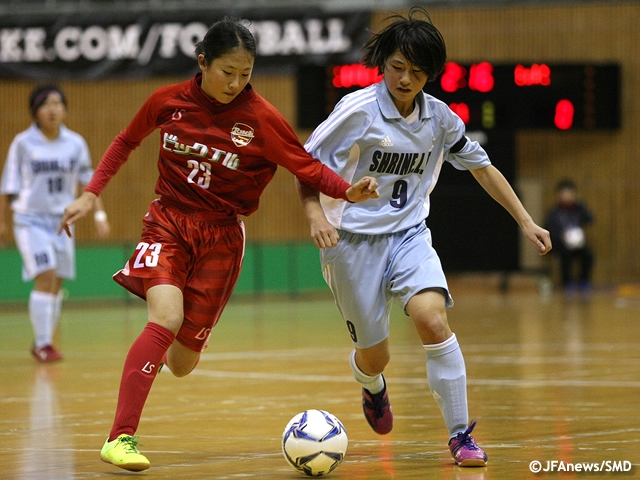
(365, 135)
(43, 175)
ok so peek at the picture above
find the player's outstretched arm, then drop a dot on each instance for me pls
(323, 234)
(498, 187)
(76, 210)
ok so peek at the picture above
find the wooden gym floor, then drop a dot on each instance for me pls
(549, 379)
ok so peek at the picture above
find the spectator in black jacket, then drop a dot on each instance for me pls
(566, 222)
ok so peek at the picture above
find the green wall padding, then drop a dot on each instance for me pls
(288, 268)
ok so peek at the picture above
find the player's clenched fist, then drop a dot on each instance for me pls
(363, 189)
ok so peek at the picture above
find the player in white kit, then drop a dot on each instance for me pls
(401, 136)
(44, 165)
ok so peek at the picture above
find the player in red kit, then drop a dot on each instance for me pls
(220, 144)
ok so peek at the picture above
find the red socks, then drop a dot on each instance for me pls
(140, 368)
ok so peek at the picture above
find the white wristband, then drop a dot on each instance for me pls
(100, 216)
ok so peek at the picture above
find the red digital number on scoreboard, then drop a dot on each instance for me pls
(563, 118)
(480, 77)
(462, 110)
(354, 75)
(534, 75)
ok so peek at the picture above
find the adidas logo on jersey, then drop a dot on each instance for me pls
(386, 142)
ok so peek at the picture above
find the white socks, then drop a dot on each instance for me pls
(448, 383)
(57, 309)
(374, 384)
(42, 310)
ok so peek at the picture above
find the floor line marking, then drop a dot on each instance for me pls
(410, 381)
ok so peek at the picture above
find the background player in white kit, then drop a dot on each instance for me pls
(44, 165)
(400, 136)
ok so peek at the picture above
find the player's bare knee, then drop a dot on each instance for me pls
(432, 328)
(168, 321)
(179, 373)
(181, 370)
(180, 360)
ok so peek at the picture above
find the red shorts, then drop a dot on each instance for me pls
(199, 253)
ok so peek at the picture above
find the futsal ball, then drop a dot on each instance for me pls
(314, 442)
(574, 238)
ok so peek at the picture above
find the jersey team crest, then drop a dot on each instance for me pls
(241, 134)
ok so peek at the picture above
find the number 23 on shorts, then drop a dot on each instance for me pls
(148, 255)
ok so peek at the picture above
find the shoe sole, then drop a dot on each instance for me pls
(472, 462)
(48, 359)
(133, 467)
(378, 430)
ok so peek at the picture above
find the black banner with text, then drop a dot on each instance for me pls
(162, 44)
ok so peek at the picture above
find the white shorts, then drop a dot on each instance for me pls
(367, 272)
(42, 248)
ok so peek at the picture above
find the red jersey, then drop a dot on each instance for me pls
(215, 157)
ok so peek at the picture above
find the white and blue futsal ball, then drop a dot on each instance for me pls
(314, 442)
